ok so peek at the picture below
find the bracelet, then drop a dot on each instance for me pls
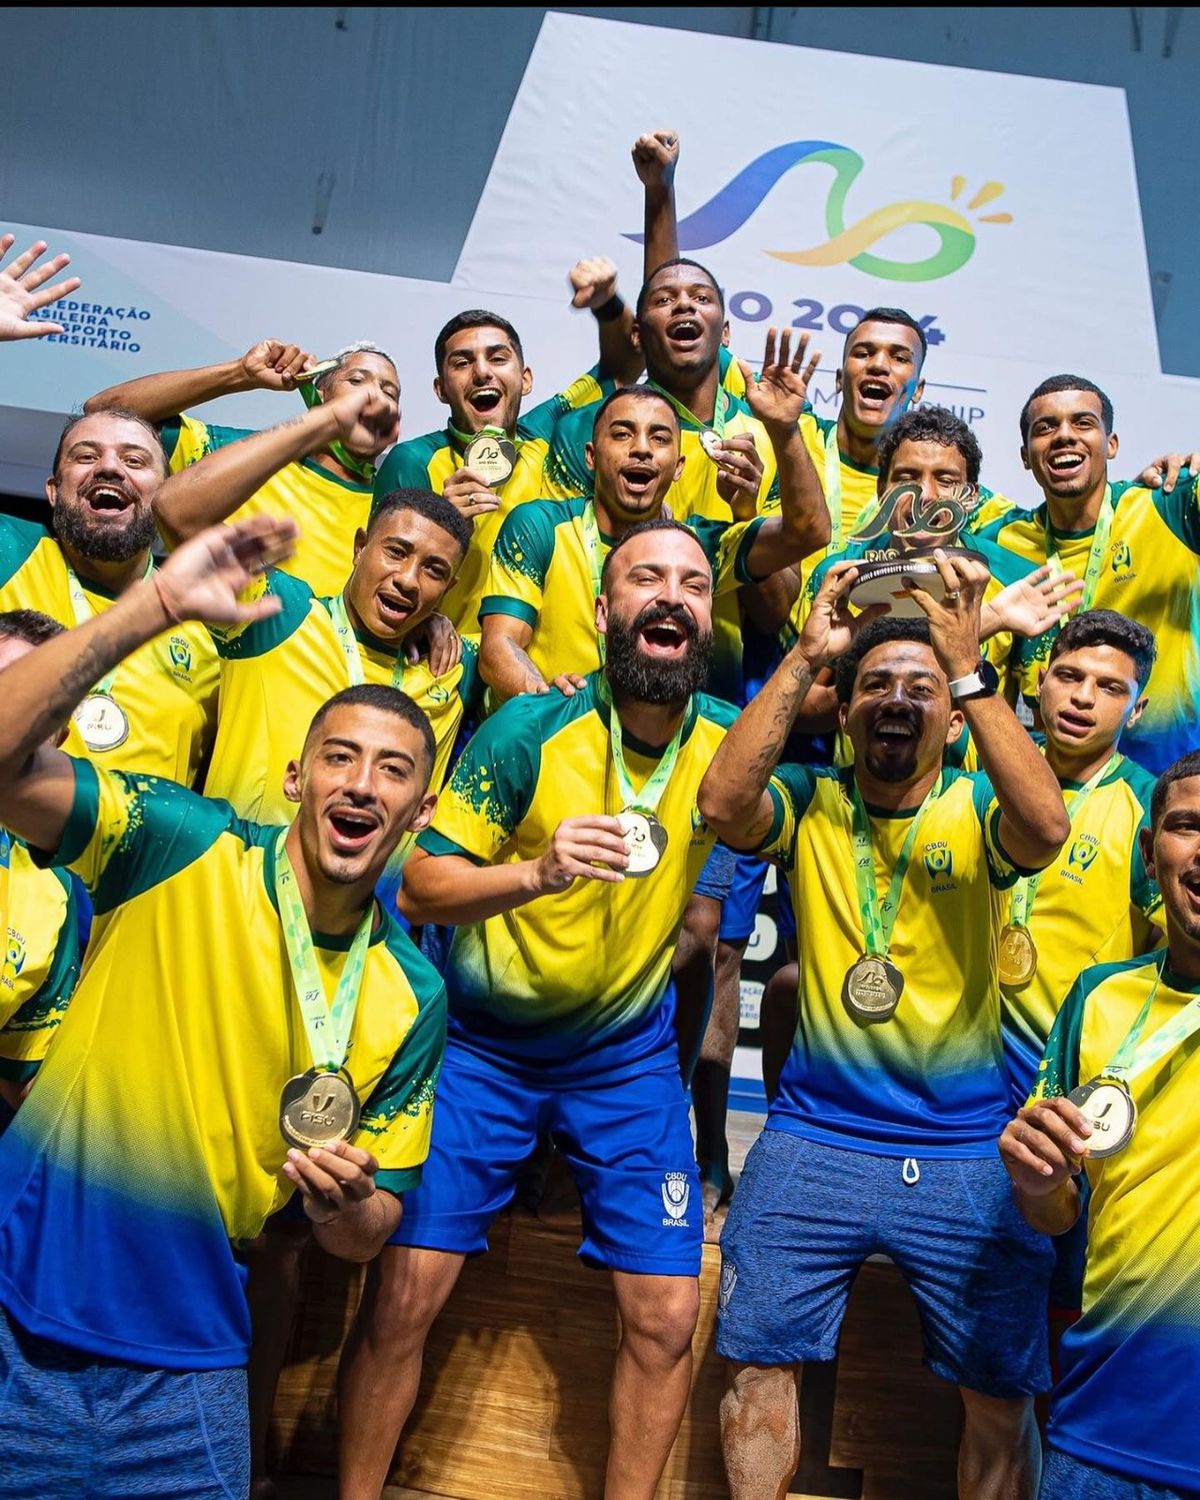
(610, 311)
(162, 599)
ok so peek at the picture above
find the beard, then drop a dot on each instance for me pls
(98, 540)
(633, 674)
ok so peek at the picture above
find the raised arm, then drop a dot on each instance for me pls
(23, 290)
(211, 490)
(655, 155)
(1033, 819)
(43, 687)
(594, 285)
(269, 366)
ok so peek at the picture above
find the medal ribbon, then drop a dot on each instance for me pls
(721, 408)
(879, 919)
(362, 468)
(647, 800)
(1026, 889)
(1134, 1056)
(83, 612)
(465, 439)
(592, 547)
(326, 1026)
(1095, 560)
(349, 644)
(5, 880)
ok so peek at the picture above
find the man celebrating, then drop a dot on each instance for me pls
(286, 1010)
(327, 490)
(1114, 1122)
(566, 845)
(883, 1123)
(154, 711)
(1135, 548)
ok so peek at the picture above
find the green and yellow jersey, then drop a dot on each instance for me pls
(150, 1139)
(541, 574)
(427, 462)
(41, 962)
(1125, 1399)
(930, 1081)
(1095, 904)
(581, 974)
(167, 689)
(1149, 572)
(328, 509)
(276, 673)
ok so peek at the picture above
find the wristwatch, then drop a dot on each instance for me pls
(983, 682)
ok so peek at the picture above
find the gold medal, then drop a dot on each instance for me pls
(490, 454)
(711, 443)
(1018, 958)
(1108, 1107)
(872, 988)
(645, 838)
(102, 722)
(318, 1108)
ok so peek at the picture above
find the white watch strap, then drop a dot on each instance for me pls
(961, 686)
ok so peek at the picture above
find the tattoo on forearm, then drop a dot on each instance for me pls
(97, 656)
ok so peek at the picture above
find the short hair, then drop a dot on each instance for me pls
(891, 315)
(28, 625)
(659, 523)
(680, 260)
(640, 392)
(364, 346)
(931, 424)
(877, 633)
(1058, 383)
(126, 415)
(386, 699)
(435, 508)
(1183, 769)
(475, 317)
(1105, 627)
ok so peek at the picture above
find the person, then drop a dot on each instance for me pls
(328, 490)
(1134, 546)
(1111, 1127)
(42, 922)
(24, 293)
(276, 672)
(566, 844)
(884, 1124)
(483, 378)
(185, 1069)
(155, 711)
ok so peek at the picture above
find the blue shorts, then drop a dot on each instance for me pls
(1066, 1478)
(1066, 1280)
(806, 1216)
(76, 1424)
(626, 1139)
(740, 912)
(717, 875)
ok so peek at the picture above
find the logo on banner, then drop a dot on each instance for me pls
(728, 210)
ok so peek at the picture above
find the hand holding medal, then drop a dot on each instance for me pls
(331, 1179)
(468, 491)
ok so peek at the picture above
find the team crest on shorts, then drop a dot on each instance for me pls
(676, 1191)
(728, 1282)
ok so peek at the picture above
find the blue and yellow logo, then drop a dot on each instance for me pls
(729, 209)
(14, 957)
(1121, 556)
(1083, 851)
(181, 654)
(939, 863)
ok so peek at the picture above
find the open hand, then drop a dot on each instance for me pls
(201, 580)
(776, 395)
(23, 290)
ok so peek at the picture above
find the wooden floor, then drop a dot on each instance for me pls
(513, 1399)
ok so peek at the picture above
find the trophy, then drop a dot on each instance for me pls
(911, 529)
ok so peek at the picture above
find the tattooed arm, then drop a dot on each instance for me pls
(733, 796)
(41, 689)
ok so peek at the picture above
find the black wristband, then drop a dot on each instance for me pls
(610, 311)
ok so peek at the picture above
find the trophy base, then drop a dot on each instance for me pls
(883, 582)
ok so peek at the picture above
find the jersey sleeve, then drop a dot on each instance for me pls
(257, 637)
(1003, 870)
(791, 790)
(18, 542)
(584, 391)
(26, 1036)
(729, 372)
(516, 576)
(491, 786)
(126, 832)
(398, 1117)
(470, 684)
(405, 467)
(1058, 1071)
(1181, 508)
(727, 546)
(564, 469)
(186, 440)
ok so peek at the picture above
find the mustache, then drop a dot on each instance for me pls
(654, 614)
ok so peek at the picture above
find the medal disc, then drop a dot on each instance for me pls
(710, 442)
(1018, 958)
(318, 1108)
(872, 988)
(1109, 1109)
(883, 581)
(491, 454)
(645, 838)
(101, 721)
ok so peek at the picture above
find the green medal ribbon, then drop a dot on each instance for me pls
(5, 879)
(465, 439)
(879, 918)
(833, 490)
(362, 468)
(1025, 891)
(647, 800)
(1095, 560)
(83, 613)
(1134, 1057)
(349, 644)
(721, 409)
(592, 547)
(326, 1026)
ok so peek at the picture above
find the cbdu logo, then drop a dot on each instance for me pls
(728, 210)
(1083, 851)
(939, 861)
